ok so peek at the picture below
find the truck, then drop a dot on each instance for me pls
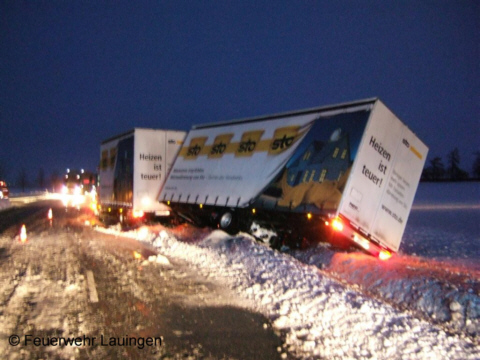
(345, 174)
(78, 182)
(133, 166)
(77, 187)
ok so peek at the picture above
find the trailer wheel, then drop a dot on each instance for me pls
(276, 242)
(228, 223)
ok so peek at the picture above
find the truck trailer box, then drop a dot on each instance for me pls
(133, 166)
(353, 165)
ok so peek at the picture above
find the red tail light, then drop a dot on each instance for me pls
(138, 214)
(337, 224)
(384, 255)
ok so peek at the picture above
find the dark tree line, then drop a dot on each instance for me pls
(436, 170)
(23, 180)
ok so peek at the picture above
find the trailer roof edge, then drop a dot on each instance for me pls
(289, 113)
(132, 131)
(126, 133)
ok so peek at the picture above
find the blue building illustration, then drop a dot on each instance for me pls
(322, 160)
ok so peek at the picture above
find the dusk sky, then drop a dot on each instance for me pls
(73, 73)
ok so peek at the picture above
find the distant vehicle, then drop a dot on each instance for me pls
(133, 166)
(344, 173)
(3, 190)
(79, 182)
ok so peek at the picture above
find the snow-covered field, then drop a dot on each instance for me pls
(445, 222)
(18, 197)
(422, 304)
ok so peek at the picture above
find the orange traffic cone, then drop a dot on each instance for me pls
(23, 234)
(50, 217)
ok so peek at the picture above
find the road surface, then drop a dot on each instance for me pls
(71, 292)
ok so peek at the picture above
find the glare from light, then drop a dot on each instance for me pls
(143, 233)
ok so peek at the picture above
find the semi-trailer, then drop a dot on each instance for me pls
(344, 173)
(133, 166)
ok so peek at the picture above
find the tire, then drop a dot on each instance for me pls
(228, 223)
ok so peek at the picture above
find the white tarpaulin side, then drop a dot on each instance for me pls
(230, 165)
(385, 175)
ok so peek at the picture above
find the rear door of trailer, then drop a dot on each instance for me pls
(384, 178)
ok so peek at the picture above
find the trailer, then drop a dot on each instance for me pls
(133, 166)
(345, 173)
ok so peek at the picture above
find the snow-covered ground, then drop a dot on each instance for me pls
(422, 304)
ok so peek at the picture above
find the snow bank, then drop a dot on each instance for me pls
(324, 301)
(318, 315)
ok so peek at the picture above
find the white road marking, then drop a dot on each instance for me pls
(91, 287)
